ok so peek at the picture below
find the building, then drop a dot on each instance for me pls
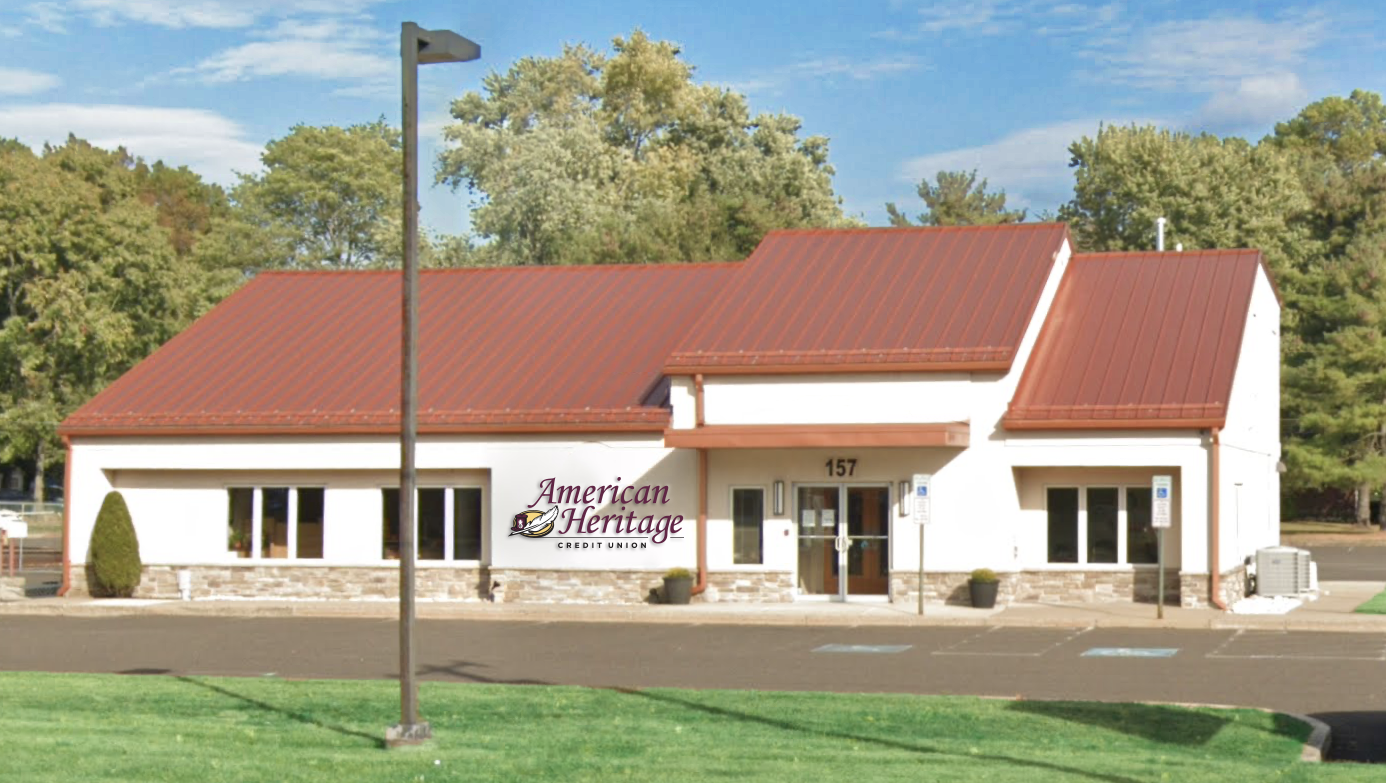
(759, 420)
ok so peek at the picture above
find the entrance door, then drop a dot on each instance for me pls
(831, 542)
(818, 540)
(868, 534)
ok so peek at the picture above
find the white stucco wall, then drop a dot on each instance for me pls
(176, 490)
(1250, 497)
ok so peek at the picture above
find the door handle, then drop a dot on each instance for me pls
(841, 543)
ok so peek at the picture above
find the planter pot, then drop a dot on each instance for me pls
(678, 591)
(983, 593)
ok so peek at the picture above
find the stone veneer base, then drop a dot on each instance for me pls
(522, 585)
(516, 585)
(1043, 586)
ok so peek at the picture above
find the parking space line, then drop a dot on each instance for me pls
(1227, 651)
(952, 649)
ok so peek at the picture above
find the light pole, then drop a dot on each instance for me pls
(417, 46)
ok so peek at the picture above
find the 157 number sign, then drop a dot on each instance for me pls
(841, 467)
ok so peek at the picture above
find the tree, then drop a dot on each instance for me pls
(327, 200)
(597, 158)
(1215, 193)
(1335, 365)
(114, 554)
(89, 284)
(958, 200)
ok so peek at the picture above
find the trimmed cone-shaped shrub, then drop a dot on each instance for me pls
(113, 560)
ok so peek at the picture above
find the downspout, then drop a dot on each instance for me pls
(1215, 578)
(698, 421)
(67, 517)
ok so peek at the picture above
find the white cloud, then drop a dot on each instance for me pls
(178, 14)
(47, 16)
(324, 49)
(1254, 102)
(22, 81)
(861, 70)
(826, 67)
(1031, 165)
(984, 17)
(1208, 55)
(204, 141)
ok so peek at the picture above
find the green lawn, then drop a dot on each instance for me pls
(1374, 605)
(1302, 527)
(155, 728)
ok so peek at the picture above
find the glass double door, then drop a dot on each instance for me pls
(843, 530)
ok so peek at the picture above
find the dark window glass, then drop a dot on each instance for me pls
(748, 517)
(240, 520)
(389, 548)
(1102, 525)
(1063, 524)
(432, 521)
(310, 509)
(1141, 543)
(466, 516)
(274, 522)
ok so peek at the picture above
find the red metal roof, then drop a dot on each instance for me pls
(511, 349)
(1139, 340)
(833, 300)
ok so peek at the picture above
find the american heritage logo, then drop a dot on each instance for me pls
(627, 530)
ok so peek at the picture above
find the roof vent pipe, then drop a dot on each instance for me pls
(1160, 234)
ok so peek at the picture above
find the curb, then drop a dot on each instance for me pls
(1320, 739)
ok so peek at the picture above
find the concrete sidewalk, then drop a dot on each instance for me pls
(1331, 611)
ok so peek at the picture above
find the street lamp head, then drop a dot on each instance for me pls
(440, 46)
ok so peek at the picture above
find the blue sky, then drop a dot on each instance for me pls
(902, 89)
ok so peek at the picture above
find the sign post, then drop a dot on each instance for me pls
(1162, 497)
(920, 512)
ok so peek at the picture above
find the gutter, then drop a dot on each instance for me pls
(699, 421)
(1215, 577)
(67, 518)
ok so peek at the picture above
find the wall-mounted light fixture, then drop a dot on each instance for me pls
(779, 498)
(904, 498)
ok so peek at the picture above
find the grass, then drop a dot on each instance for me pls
(1374, 605)
(1306, 527)
(101, 728)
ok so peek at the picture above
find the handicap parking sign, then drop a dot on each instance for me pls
(1162, 493)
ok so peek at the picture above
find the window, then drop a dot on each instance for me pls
(311, 502)
(1063, 525)
(275, 522)
(1102, 524)
(748, 517)
(240, 522)
(449, 523)
(466, 513)
(1111, 525)
(1141, 543)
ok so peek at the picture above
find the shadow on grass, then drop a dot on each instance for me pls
(301, 717)
(909, 747)
(1154, 722)
(465, 670)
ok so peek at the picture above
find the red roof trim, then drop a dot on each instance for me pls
(888, 360)
(778, 436)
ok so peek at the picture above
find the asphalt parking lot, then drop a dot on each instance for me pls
(1348, 563)
(1338, 677)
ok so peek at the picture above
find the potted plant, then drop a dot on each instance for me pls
(983, 586)
(678, 586)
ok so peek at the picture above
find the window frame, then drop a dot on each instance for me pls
(764, 517)
(1122, 526)
(257, 521)
(449, 523)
